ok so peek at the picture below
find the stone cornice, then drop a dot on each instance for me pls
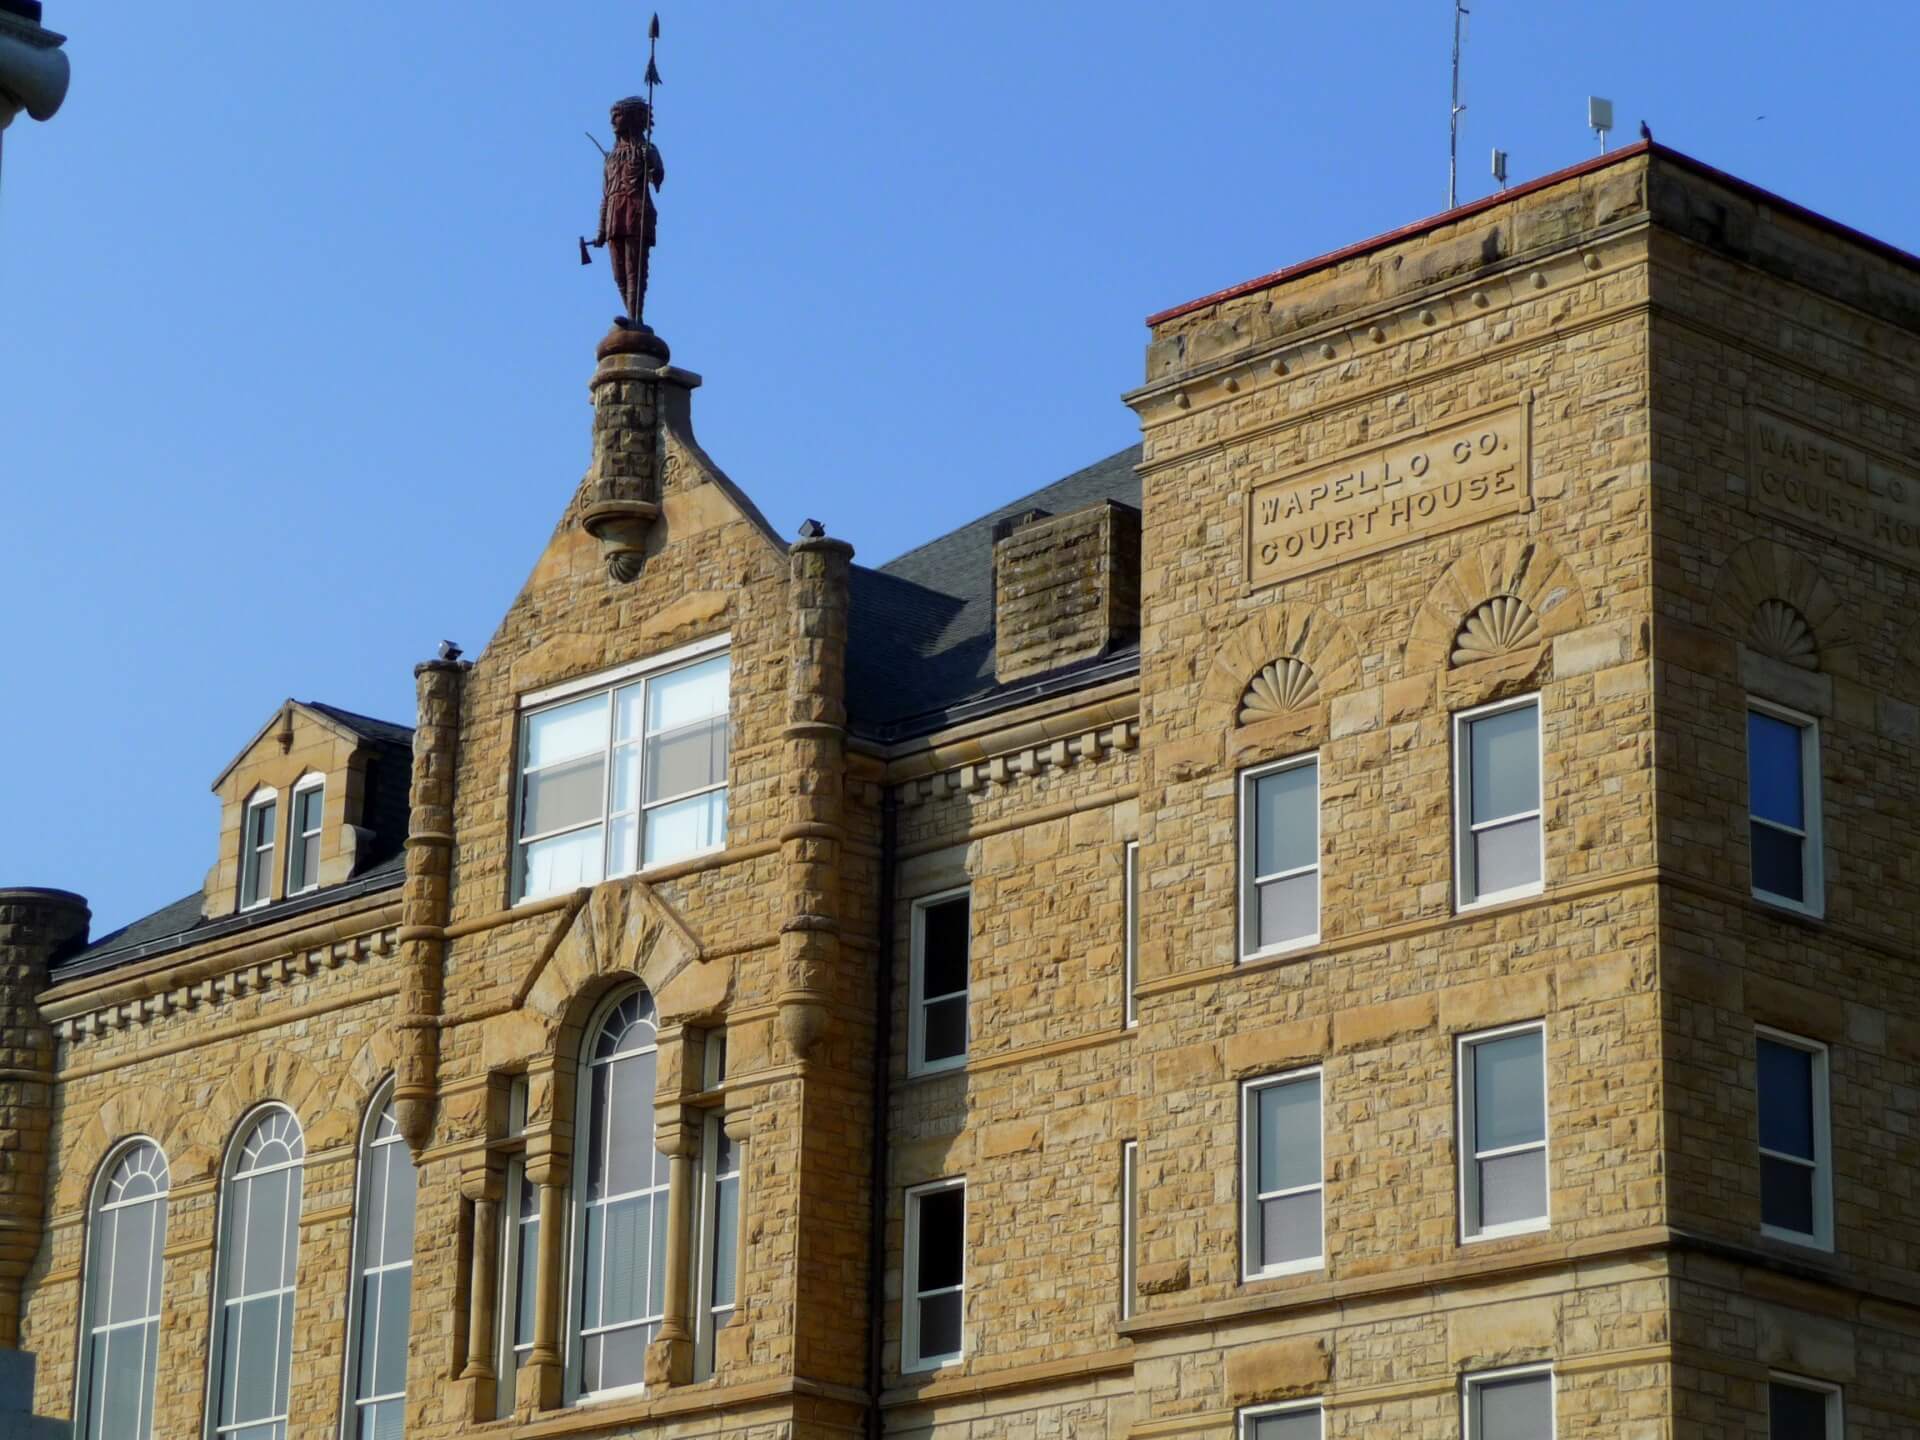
(1418, 315)
(111, 1003)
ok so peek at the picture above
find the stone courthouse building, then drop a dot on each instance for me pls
(1387, 910)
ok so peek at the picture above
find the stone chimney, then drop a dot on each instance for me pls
(1066, 588)
(37, 927)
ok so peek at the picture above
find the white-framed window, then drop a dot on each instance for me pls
(1503, 1132)
(628, 775)
(717, 1273)
(1796, 1140)
(620, 1205)
(1131, 966)
(252, 1350)
(937, 998)
(1279, 857)
(1129, 1225)
(1783, 803)
(1281, 1174)
(303, 839)
(1295, 1420)
(1498, 849)
(120, 1326)
(933, 1318)
(259, 826)
(380, 1308)
(519, 1255)
(1515, 1404)
(1803, 1409)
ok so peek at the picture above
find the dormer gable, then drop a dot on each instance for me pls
(316, 797)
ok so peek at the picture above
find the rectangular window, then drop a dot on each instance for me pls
(1132, 966)
(1280, 857)
(719, 1239)
(938, 1022)
(1496, 802)
(303, 846)
(1503, 1132)
(1796, 1166)
(1300, 1421)
(1129, 1220)
(1783, 802)
(1509, 1404)
(1281, 1175)
(256, 851)
(519, 1254)
(936, 1272)
(1802, 1409)
(630, 776)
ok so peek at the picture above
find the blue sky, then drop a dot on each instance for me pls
(292, 373)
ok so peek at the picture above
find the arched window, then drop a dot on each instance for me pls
(121, 1332)
(253, 1304)
(382, 1300)
(620, 1199)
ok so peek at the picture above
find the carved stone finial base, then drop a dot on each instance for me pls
(626, 338)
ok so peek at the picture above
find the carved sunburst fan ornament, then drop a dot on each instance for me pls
(1781, 631)
(1283, 685)
(1500, 626)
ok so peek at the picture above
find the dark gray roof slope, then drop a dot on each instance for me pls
(366, 726)
(180, 923)
(920, 641)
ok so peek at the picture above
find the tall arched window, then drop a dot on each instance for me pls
(382, 1300)
(253, 1304)
(125, 1235)
(620, 1198)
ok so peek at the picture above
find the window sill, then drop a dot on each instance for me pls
(938, 1072)
(1798, 1239)
(1508, 1232)
(1499, 898)
(1281, 952)
(932, 1367)
(1781, 905)
(1291, 1268)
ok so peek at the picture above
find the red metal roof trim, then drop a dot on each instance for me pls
(1475, 207)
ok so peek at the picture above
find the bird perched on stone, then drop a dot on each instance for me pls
(1646, 131)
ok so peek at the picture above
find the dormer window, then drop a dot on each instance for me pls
(623, 773)
(256, 849)
(303, 843)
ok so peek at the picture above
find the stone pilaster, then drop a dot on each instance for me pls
(424, 899)
(36, 928)
(815, 737)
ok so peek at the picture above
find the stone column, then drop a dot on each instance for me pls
(425, 898)
(815, 736)
(670, 1357)
(544, 1371)
(37, 927)
(483, 1186)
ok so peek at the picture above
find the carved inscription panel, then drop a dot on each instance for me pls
(1451, 475)
(1816, 479)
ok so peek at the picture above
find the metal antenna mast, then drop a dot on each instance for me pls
(1460, 13)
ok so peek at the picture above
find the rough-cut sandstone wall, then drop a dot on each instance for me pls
(1785, 430)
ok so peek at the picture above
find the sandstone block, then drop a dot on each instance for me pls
(1278, 1369)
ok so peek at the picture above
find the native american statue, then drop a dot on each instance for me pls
(627, 206)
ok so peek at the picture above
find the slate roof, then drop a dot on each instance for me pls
(365, 726)
(920, 627)
(179, 924)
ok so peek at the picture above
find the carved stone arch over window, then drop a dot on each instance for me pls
(1497, 599)
(1281, 659)
(1775, 601)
